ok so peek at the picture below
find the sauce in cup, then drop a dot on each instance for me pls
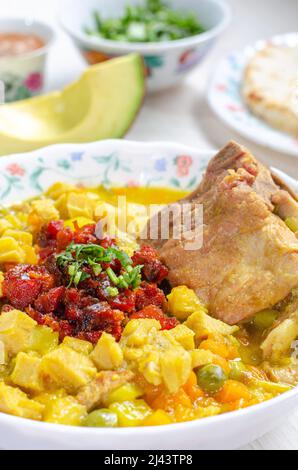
(16, 44)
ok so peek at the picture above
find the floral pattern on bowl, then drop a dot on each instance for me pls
(18, 88)
(102, 163)
(225, 99)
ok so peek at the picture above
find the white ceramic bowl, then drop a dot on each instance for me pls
(23, 76)
(166, 63)
(127, 163)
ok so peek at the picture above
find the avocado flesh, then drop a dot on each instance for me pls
(101, 105)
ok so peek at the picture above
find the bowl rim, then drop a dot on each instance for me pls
(30, 23)
(146, 431)
(124, 47)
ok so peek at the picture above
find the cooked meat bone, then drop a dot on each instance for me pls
(249, 258)
(96, 392)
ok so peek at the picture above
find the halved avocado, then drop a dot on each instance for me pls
(101, 105)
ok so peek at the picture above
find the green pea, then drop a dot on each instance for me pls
(101, 419)
(265, 319)
(211, 378)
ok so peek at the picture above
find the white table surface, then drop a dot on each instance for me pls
(182, 114)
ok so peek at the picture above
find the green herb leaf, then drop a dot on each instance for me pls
(154, 21)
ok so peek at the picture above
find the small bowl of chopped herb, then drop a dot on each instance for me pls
(173, 36)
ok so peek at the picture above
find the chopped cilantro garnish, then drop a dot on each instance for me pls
(153, 21)
(76, 258)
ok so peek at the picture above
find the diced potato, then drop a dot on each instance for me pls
(14, 221)
(61, 206)
(131, 413)
(155, 354)
(175, 369)
(158, 418)
(203, 325)
(47, 399)
(1, 283)
(182, 302)
(43, 340)
(30, 254)
(184, 336)
(4, 225)
(202, 357)
(136, 332)
(148, 364)
(107, 354)
(59, 189)
(78, 345)
(79, 221)
(127, 392)
(2, 354)
(15, 330)
(45, 210)
(65, 368)
(79, 205)
(20, 236)
(66, 411)
(26, 373)
(11, 251)
(15, 402)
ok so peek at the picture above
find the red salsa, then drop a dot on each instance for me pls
(84, 286)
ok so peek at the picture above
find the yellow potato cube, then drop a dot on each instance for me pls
(203, 325)
(4, 225)
(43, 340)
(11, 251)
(61, 206)
(2, 354)
(15, 330)
(14, 221)
(136, 332)
(26, 373)
(66, 411)
(65, 368)
(1, 282)
(59, 189)
(176, 367)
(20, 236)
(80, 346)
(182, 302)
(202, 357)
(15, 402)
(45, 210)
(183, 336)
(131, 413)
(30, 254)
(158, 418)
(127, 392)
(107, 354)
(79, 205)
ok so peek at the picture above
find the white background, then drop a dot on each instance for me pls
(182, 114)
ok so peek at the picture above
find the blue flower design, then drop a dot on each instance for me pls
(161, 165)
(77, 156)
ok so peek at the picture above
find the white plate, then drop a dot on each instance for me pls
(224, 96)
(127, 163)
